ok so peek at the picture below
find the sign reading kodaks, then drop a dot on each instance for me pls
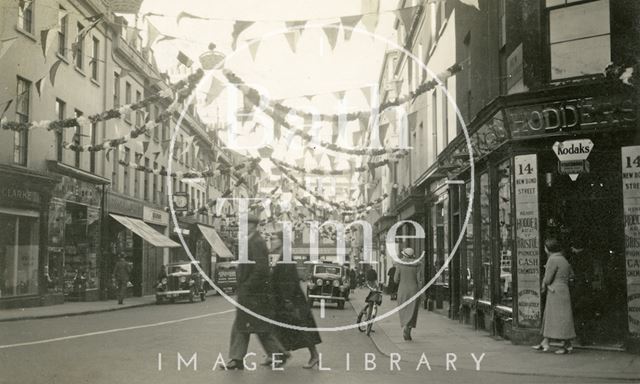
(573, 156)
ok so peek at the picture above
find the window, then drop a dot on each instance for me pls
(60, 114)
(165, 130)
(485, 237)
(92, 154)
(80, 48)
(136, 177)
(95, 59)
(145, 178)
(127, 100)
(445, 117)
(139, 112)
(116, 90)
(434, 122)
(468, 267)
(63, 23)
(579, 38)
(154, 116)
(505, 222)
(19, 248)
(25, 15)
(115, 172)
(21, 138)
(163, 182)
(77, 140)
(127, 160)
(155, 191)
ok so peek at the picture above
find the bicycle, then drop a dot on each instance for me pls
(374, 299)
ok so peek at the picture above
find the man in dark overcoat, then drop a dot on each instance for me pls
(254, 292)
(121, 277)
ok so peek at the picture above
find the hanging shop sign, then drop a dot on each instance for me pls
(573, 156)
(527, 240)
(180, 201)
(584, 114)
(631, 203)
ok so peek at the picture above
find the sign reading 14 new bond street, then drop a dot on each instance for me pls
(631, 200)
(528, 240)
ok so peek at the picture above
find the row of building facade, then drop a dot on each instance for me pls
(555, 148)
(67, 215)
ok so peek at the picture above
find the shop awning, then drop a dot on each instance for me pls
(216, 242)
(147, 233)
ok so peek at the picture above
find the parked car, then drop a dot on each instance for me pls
(183, 282)
(329, 282)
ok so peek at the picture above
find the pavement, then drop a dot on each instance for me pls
(436, 336)
(73, 308)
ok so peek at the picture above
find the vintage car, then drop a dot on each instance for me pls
(329, 282)
(183, 281)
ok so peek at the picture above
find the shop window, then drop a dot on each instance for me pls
(468, 269)
(25, 15)
(21, 138)
(505, 230)
(579, 38)
(485, 237)
(81, 239)
(18, 255)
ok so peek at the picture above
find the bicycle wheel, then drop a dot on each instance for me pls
(366, 311)
(372, 315)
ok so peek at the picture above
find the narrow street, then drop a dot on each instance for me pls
(123, 346)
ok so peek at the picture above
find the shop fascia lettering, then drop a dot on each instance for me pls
(568, 115)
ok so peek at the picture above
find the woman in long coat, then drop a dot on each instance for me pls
(557, 322)
(410, 278)
(291, 307)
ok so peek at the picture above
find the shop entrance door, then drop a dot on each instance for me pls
(586, 215)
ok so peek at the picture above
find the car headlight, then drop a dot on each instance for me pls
(336, 283)
(319, 282)
(183, 279)
(164, 280)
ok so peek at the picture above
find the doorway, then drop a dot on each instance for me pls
(585, 215)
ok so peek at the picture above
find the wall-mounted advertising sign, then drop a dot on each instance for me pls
(631, 202)
(527, 240)
(573, 156)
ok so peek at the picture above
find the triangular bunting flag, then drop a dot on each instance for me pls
(184, 59)
(405, 15)
(145, 146)
(348, 23)
(187, 15)
(6, 108)
(339, 95)
(370, 22)
(53, 70)
(152, 34)
(5, 44)
(331, 31)
(238, 27)
(292, 39)
(366, 92)
(40, 86)
(471, 3)
(46, 40)
(253, 48)
(364, 122)
(214, 90)
(297, 25)
(165, 38)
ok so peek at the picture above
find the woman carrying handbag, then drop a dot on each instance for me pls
(557, 321)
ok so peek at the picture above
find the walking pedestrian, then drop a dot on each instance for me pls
(121, 278)
(410, 277)
(352, 279)
(292, 308)
(392, 287)
(557, 321)
(254, 292)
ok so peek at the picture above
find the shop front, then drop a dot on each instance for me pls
(141, 244)
(24, 206)
(559, 163)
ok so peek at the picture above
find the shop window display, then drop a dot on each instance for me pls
(468, 271)
(80, 250)
(18, 255)
(505, 221)
(485, 237)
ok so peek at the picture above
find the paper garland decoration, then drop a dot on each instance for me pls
(187, 175)
(333, 172)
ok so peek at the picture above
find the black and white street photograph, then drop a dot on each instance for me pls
(306, 191)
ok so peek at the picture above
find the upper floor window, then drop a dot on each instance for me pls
(60, 114)
(127, 100)
(79, 47)
(579, 38)
(95, 59)
(139, 112)
(21, 138)
(116, 89)
(63, 23)
(77, 140)
(25, 15)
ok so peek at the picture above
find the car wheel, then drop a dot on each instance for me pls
(340, 304)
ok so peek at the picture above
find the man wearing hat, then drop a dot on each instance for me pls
(254, 292)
